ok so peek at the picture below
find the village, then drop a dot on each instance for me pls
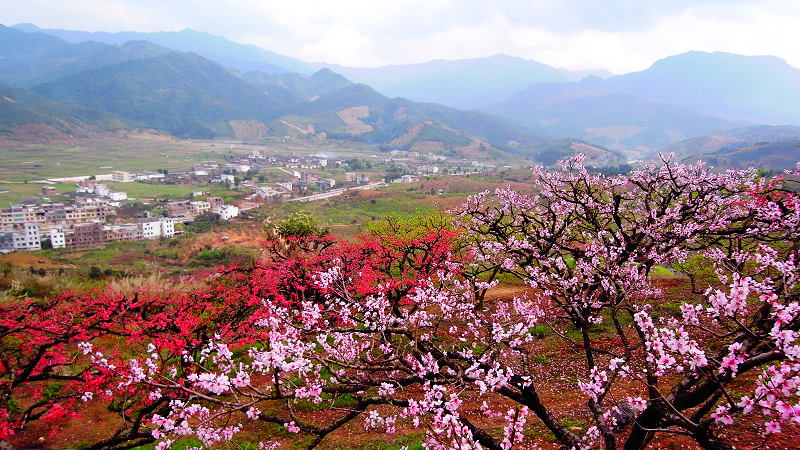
(89, 218)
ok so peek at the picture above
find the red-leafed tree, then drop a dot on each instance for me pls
(399, 319)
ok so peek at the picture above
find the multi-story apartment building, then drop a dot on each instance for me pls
(119, 175)
(178, 209)
(57, 238)
(124, 232)
(87, 235)
(86, 210)
(27, 238)
(198, 207)
(152, 228)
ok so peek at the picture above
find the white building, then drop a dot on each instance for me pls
(405, 179)
(227, 212)
(101, 190)
(226, 178)
(239, 168)
(267, 192)
(154, 228)
(27, 238)
(57, 238)
(149, 176)
(117, 196)
(284, 184)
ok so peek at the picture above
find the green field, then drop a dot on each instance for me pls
(33, 161)
(156, 190)
(17, 190)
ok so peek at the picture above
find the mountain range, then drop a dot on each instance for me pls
(192, 84)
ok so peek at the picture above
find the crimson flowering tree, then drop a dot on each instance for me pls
(394, 329)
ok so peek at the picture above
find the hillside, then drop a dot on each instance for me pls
(616, 120)
(463, 83)
(190, 96)
(23, 113)
(754, 88)
(183, 94)
(231, 54)
(295, 88)
(728, 140)
(400, 123)
(28, 59)
(775, 156)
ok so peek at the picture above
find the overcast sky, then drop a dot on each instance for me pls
(619, 35)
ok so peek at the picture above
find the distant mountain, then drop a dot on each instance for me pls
(24, 114)
(728, 140)
(769, 155)
(753, 88)
(231, 54)
(190, 96)
(28, 59)
(616, 120)
(463, 83)
(360, 113)
(181, 93)
(676, 98)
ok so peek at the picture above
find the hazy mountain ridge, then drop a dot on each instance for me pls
(234, 55)
(617, 120)
(737, 87)
(768, 155)
(190, 96)
(28, 59)
(463, 83)
(724, 141)
(181, 93)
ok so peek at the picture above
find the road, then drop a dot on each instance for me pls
(335, 192)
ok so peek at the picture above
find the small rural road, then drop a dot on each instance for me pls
(335, 192)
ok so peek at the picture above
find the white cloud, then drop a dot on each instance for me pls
(621, 35)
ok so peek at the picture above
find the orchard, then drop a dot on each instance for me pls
(399, 330)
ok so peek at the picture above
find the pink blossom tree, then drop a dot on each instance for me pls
(397, 324)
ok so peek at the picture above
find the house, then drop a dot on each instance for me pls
(156, 227)
(87, 235)
(124, 232)
(119, 175)
(198, 207)
(117, 196)
(237, 168)
(326, 183)
(227, 212)
(267, 192)
(177, 209)
(27, 238)
(48, 190)
(215, 202)
(101, 190)
(57, 238)
(405, 179)
(308, 177)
